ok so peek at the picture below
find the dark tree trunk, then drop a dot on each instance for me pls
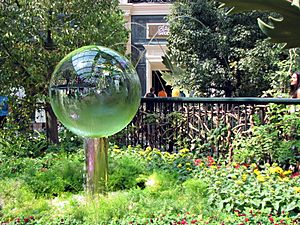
(51, 125)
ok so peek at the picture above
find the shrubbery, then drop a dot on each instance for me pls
(147, 186)
(275, 141)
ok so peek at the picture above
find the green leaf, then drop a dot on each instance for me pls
(282, 30)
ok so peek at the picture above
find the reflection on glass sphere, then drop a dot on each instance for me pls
(95, 92)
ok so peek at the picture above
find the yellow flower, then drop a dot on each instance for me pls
(116, 150)
(253, 165)
(278, 170)
(142, 153)
(188, 164)
(297, 189)
(257, 172)
(234, 177)
(184, 150)
(158, 153)
(239, 182)
(188, 169)
(288, 172)
(260, 178)
(148, 149)
(244, 177)
(218, 182)
(166, 154)
(285, 179)
(272, 170)
(214, 167)
(179, 165)
(116, 146)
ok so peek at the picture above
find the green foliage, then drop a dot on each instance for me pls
(69, 142)
(36, 35)
(275, 141)
(64, 175)
(124, 172)
(239, 187)
(16, 198)
(195, 187)
(160, 181)
(178, 189)
(219, 54)
(281, 30)
(14, 142)
(50, 175)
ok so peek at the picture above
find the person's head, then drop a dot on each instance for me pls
(295, 83)
(152, 90)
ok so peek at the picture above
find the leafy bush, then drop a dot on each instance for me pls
(21, 144)
(48, 175)
(195, 187)
(124, 170)
(63, 174)
(275, 141)
(238, 187)
(174, 188)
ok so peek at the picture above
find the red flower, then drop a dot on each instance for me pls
(237, 166)
(246, 220)
(194, 221)
(26, 220)
(241, 214)
(197, 162)
(271, 219)
(297, 174)
(210, 159)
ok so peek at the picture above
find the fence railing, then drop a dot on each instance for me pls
(171, 123)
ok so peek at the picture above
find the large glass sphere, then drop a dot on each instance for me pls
(95, 91)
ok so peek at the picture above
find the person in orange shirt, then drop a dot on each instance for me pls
(162, 94)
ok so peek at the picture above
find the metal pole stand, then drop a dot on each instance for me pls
(96, 152)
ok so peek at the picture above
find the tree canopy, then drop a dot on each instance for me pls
(213, 53)
(36, 34)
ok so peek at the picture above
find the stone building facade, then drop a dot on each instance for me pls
(146, 20)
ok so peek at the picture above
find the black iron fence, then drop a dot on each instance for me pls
(211, 123)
